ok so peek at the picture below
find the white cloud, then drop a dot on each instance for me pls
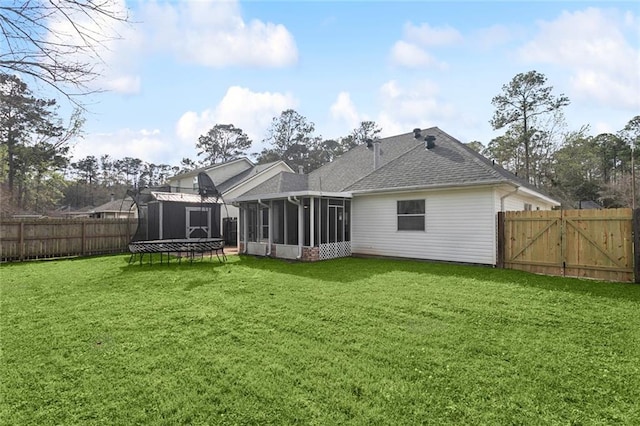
(412, 56)
(109, 45)
(149, 145)
(411, 51)
(418, 105)
(426, 35)
(126, 84)
(592, 44)
(206, 32)
(401, 108)
(250, 111)
(344, 110)
(214, 34)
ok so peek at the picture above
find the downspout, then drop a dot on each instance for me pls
(509, 194)
(294, 200)
(260, 203)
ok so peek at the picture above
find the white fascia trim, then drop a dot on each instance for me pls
(521, 189)
(527, 191)
(284, 195)
(256, 175)
(209, 168)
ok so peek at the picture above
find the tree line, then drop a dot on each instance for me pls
(38, 175)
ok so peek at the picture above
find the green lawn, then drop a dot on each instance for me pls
(349, 341)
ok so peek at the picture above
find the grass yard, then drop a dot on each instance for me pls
(348, 341)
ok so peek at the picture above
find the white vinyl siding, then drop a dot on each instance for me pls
(515, 201)
(460, 226)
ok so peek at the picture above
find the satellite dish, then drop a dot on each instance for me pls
(206, 188)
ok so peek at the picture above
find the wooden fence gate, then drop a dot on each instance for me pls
(581, 243)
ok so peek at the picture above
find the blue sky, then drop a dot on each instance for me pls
(182, 67)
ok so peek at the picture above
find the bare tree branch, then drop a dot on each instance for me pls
(58, 42)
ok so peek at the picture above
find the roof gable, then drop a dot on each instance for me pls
(122, 204)
(358, 163)
(248, 174)
(449, 162)
(404, 163)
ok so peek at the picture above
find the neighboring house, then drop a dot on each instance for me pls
(232, 179)
(115, 209)
(420, 195)
(588, 204)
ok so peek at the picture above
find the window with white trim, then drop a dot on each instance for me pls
(411, 215)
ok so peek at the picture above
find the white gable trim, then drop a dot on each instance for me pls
(258, 175)
(207, 169)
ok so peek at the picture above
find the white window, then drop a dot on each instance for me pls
(527, 207)
(411, 215)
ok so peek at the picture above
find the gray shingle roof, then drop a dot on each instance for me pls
(404, 163)
(358, 163)
(448, 163)
(119, 205)
(283, 182)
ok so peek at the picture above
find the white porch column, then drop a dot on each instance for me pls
(312, 224)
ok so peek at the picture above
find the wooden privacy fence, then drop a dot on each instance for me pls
(46, 238)
(581, 243)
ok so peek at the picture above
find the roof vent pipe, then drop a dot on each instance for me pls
(429, 142)
(376, 155)
(300, 169)
(417, 133)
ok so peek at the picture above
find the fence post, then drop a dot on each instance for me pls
(501, 242)
(636, 245)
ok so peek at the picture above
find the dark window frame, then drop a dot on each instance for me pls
(409, 213)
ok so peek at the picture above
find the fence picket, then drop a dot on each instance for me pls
(586, 243)
(22, 239)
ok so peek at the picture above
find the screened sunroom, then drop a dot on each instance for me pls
(296, 227)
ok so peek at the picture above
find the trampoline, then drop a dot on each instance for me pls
(139, 246)
(189, 248)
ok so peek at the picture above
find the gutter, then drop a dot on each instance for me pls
(294, 200)
(426, 187)
(296, 194)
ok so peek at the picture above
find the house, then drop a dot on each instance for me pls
(232, 179)
(421, 195)
(114, 209)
